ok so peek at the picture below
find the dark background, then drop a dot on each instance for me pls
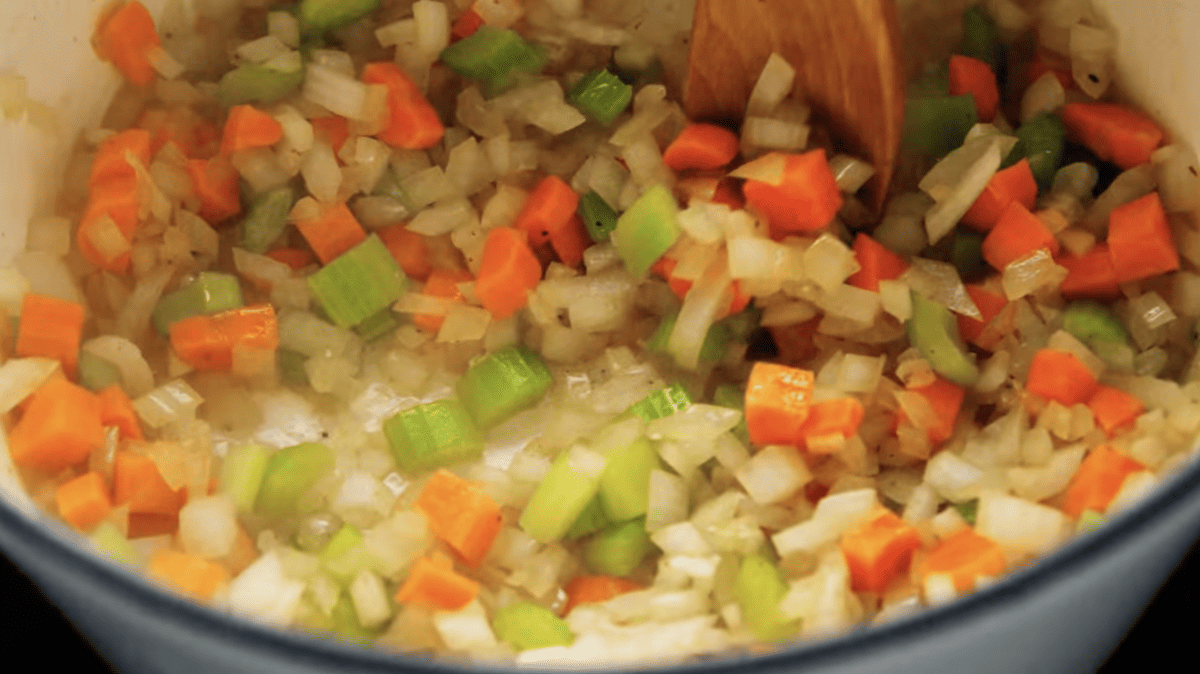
(29, 623)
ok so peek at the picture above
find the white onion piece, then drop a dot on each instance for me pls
(208, 526)
(828, 262)
(134, 318)
(1092, 51)
(263, 592)
(264, 48)
(774, 84)
(464, 324)
(668, 500)
(322, 174)
(443, 218)
(1011, 19)
(20, 377)
(1046, 94)
(433, 26)
(285, 26)
(335, 91)
(969, 183)
(1032, 273)
(765, 133)
(1178, 178)
(767, 169)
(939, 281)
(499, 13)
(1036, 484)
(136, 376)
(48, 275)
(851, 173)
(709, 295)
(1020, 525)
(902, 229)
(397, 33)
(1131, 185)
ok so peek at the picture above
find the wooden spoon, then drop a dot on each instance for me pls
(847, 61)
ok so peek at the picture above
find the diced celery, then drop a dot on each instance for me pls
(429, 436)
(493, 54)
(619, 549)
(342, 621)
(242, 474)
(715, 342)
(661, 404)
(562, 495)
(1089, 520)
(1091, 323)
(602, 95)
(266, 220)
(968, 509)
(966, 254)
(289, 473)
(344, 555)
(591, 520)
(96, 373)
(111, 543)
(526, 626)
(936, 125)
(1042, 141)
(625, 484)
(323, 15)
(502, 384)
(257, 83)
(291, 367)
(932, 330)
(360, 283)
(378, 326)
(599, 218)
(759, 589)
(647, 230)
(733, 397)
(210, 293)
(980, 39)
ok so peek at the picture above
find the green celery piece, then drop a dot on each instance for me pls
(433, 435)
(602, 95)
(968, 509)
(625, 484)
(503, 383)
(358, 284)
(715, 342)
(966, 254)
(96, 373)
(759, 589)
(344, 556)
(933, 330)
(619, 549)
(562, 496)
(591, 520)
(599, 218)
(266, 220)
(1092, 323)
(661, 404)
(211, 292)
(647, 230)
(1042, 141)
(242, 474)
(526, 626)
(323, 15)
(344, 623)
(289, 473)
(980, 39)
(935, 125)
(111, 543)
(291, 367)
(733, 397)
(257, 83)
(493, 54)
(378, 326)
(1089, 520)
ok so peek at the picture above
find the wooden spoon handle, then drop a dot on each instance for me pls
(847, 64)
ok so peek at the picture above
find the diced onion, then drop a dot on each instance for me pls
(136, 376)
(774, 84)
(335, 91)
(1020, 525)
(851, 173)
(1091, 51)
(1178, 174)
(1046, 94)
(20, 377)
(1131, 185)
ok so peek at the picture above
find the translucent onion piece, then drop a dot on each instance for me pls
(134, 318)
(1091, 51)
(969, 181)
(1034, 272)
(1011, 19)
(264, 48)
(1020, 525)
(939, 281)
(1131, 185)
(851, 172)
(1077, 180)
(902, 229)
(170, 403)
(774, 84)
(464, 324)
(136, 376)
(1046, 94)
(766, 169)
(284, 26)
(765, 133)
(1178, 174)
(828, 262)
(335, 91)
(1151, 310)
(709, 295)
(20, 377)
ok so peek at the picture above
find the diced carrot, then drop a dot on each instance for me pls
(147, 525)
(116, 409)
(333, 129)
(806, 199)
(461, 514)
(508, 271)
(138, 483)
(410, 249)
(704, 147)
(727, 193)
(412, 122)
(841, 416)
(876, 263)
(1014, 183)
(972, 76)
(113, 154)
(83, 501)
(550, 219)
(60, 427)
(878, 550)
(332, 232)
(432, 584)
(1114, 409)
(1140, 241)
(1060, 376)
(189, 574)
(945, 399)
(1098, 480)
(778, 402)
(964, 556)
(125, 37)
(1114, 132)
(441, 283)
(1091, 275)
(117, 253)
(296, 258)
(465, 25)
(990, 305)
(209, 342)
(595, 590)
(1046, 61)
(247, 127)
(51, 328)
(1017, 234)
(215, 182)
